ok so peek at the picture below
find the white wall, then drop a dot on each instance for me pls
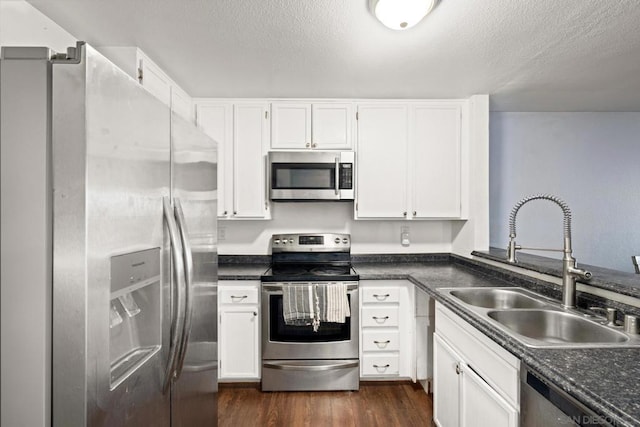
(370, 236)
(590, 160)
(23, 25)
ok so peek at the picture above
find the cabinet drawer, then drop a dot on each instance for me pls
(380, 295)
(379, 316)
(499, 368)
(238, 295)
(385, 340)
(377, 364)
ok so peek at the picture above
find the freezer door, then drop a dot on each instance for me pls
(194, 183)
(112, 275)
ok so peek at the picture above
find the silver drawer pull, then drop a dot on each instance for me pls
(381, 297)
(381, 367)
(239, 296)
(380, 319)
(382, 342)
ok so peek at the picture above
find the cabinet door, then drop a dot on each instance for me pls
(290, 125)
(239, 343)
(250, 133)
(153, 79)
(382, 161)
(446, 384)
(331, 126)
(436, 161)
(216, 120)
(481, 405)
(181, 103)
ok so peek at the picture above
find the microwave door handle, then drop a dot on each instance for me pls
(337, 176)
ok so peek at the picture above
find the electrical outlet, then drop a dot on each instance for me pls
(404, 235)
(222, 233)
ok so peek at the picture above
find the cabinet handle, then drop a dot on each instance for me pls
(380, 297)
(307, 145)
(458, 370)
(404, 214)
(314, 145)
(380, 319)
(240, 297)
(255, 313)
(415, 213)
(235, 212)
(382, 344)
(381, 366)
(224, 213)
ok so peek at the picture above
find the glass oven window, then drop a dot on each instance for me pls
(313, 176)
(281, 332)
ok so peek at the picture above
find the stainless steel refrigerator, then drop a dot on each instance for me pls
(109, 249)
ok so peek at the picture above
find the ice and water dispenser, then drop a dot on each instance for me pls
(135, 318)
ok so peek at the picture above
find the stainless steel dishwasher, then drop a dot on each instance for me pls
(543, 404)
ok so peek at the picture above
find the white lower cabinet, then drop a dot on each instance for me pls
(387, 329)
(476, 382)
(238, 330)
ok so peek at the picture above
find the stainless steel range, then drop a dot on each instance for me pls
(302, 354)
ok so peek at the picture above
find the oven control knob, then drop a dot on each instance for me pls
(345, 240)
(276, 241)
(337, 240)
(291, 241)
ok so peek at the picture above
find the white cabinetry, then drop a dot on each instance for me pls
(242, 131)
(239, 330)
(410, 160)
(139, 66)
(250, 137)
(476, 382)
(387, 329)
(321, 125)
(381, 164)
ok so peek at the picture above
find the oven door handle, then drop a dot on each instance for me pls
(318, 366)
(274, 289)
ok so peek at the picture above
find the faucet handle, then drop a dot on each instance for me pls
(609, 313)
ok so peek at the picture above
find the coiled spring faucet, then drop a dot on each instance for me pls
(570, 271)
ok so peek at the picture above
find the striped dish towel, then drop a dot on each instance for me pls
(333, 302)
(298, 305)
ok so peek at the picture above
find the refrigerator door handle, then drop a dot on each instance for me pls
(177, 288)
(188, 286)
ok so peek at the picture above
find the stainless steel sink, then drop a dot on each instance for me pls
(556, 327)
(537, 321)
(497, 298)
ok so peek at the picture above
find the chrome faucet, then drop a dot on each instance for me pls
(570, 271)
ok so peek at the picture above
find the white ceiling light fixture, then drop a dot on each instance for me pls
(401, 14)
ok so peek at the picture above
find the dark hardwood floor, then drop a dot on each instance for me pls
(387, 404)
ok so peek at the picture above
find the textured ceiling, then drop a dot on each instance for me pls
(542, 55)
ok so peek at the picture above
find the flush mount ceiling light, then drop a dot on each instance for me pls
(401, 14)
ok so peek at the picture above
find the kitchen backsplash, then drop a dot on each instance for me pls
(368, 236)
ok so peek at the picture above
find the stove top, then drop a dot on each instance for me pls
(310, 257)
(310, 274)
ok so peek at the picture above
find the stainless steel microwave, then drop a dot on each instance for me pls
(311, 175)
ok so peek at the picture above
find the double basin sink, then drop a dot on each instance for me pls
(537, 321)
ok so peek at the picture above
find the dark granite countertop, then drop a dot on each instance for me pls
(603, 379)
(241, 271)
(603, 278)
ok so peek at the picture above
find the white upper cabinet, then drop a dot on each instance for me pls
(303, 126)
(381, 164)
(410, 160)
(250, 139)
(290, 125)
(216, 120)
(331, 126)
(242, 132)
(436, 160)
(139, 66)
